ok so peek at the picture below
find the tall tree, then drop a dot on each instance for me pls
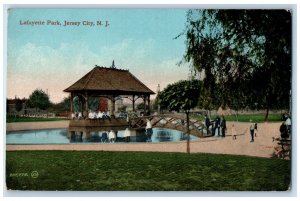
(18, 104)
(39, 99)
(246, 53)
(181, 96)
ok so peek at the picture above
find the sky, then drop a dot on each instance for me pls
(52, 56)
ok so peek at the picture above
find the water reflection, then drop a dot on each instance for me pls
(60, 136)
(163, 136)
(48, 136)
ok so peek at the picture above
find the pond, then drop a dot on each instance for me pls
(59, 136)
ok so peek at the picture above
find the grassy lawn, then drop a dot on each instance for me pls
(258, 118)
(31, 119)
(140, 171)
(254, 117)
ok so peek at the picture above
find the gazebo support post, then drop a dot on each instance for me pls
(145, 107)
(133, 100)
(81, 106)
(113, 102)
(148, 100)
(86, 105)
(71, 100)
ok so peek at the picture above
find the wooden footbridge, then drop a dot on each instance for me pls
(138, 123)
(174, 122)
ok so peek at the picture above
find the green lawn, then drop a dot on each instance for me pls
(140, 171)
(258, 118)
(31, 119)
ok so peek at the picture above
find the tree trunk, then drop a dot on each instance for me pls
(188, 131)
(267, 114)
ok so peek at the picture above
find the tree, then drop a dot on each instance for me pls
(182, 95)
(140, 106)
(39, 99)
(64, 105)
(76, 104)
(7, 107)
(18, 104)
(244, 52)
(93, 103)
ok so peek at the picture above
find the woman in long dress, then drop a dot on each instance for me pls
(112, 136)
(127, 135)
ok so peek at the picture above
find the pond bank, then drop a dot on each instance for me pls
(263, 146)
(20, 126)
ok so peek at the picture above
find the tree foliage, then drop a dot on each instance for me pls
(64, 105)
(182, 95)
(93, 103)
(245, 55)
(140, 106)
(18, 104)
(39, 99)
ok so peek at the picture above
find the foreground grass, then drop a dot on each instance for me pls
(140, 171)
(31, 119)
(258, 118)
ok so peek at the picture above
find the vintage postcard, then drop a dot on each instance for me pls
(149, 99)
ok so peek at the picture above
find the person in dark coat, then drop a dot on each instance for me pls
(283, 131)
(207, 123)
(217, 125)
(223, 125)
(252, 126)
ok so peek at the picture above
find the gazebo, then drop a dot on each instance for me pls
(111, 83)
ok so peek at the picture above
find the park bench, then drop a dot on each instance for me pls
(283, 150)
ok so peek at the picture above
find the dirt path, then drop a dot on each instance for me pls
(263, 145)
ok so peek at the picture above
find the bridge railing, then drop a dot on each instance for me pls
(172, 122)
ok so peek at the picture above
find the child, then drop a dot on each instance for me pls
(233, 132)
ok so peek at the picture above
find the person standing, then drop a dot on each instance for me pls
(255, 130)
(252, 126)
(283, 131)
(217, 125)
(288, 124)
(207, 123)
(112, 136)
(233, 132)
(127, 135)
(149, 130)
(104, 137)
(223, 125)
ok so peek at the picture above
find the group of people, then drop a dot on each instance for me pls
(76, 115)
(218, 126)
(109, 136)
(99, 115)
(285, 128)
(92, 115)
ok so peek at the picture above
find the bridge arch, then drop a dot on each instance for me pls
(197, 128)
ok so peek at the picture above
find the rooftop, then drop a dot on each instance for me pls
(110, 80)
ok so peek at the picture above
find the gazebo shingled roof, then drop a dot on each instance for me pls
(110, 81)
